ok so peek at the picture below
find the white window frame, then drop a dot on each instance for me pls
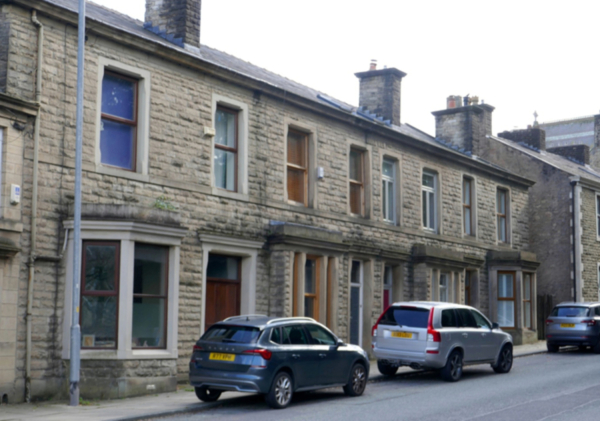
(143, 117)
(472, 206)
(430, 202)
(128, 233)
(597, 216)
(360, 285)
(386, 181)
(447, 288)
(242, 147)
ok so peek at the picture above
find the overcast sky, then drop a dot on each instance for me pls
(519, 56)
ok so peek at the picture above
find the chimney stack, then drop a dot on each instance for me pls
(178, 21)
(580, 153)
(466, 126)
(380, 92)
(532, 136)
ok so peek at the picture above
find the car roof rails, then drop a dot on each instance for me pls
(246, 317)
(291, 318)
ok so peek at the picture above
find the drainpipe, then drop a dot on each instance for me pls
(576, 237)
(32, 255)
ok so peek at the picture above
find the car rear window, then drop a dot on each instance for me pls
(406, 316)
(570, 311)
(231, 334)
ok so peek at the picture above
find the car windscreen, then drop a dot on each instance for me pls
(231, 334)
(406, 316)
(571, 311)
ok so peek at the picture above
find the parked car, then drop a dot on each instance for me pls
(445, 336)
(276, 357)
(574, 324)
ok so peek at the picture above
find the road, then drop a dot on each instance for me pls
(563, 386)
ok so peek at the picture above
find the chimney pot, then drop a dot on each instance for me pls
(373, 65)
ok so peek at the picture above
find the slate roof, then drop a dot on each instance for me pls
(557, 161)
(218, 58)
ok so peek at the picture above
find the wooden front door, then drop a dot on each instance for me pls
(223, 288)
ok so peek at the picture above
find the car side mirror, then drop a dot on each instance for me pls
(339, 343)
(495, 326)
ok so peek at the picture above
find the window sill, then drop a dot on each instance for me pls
(101, 169)
(136, 354)
(229, 194)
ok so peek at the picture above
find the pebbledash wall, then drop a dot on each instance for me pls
(179, 90)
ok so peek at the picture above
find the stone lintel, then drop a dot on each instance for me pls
(439, 257)
(525, 259)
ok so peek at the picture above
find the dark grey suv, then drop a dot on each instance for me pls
(574, 324)
(276, 357)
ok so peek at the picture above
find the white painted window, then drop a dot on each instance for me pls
(388, 190)
(429, 200)
(444, 289)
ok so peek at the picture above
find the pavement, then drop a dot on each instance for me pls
(145, 407)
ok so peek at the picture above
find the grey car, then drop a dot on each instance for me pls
(276, 357)
(574, 324)
(433, 335)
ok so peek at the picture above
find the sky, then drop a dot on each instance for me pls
(519, 56)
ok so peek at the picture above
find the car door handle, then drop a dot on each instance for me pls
(295, 356)
(465, 335)
(322, 355)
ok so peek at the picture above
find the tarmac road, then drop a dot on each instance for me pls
(563, 386)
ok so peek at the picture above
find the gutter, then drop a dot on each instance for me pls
(576, 237)
(32, 255)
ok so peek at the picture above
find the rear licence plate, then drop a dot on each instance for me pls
(221, 357)
(567, 325)
(405, 335)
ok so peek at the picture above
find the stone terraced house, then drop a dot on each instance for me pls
(212, 187)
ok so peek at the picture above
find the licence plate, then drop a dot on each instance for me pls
(221, 357)
(405, 335)
(567, 325)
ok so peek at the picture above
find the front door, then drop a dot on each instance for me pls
(223, 287)
(356, 303)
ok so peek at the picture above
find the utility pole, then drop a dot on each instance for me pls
(75, 360)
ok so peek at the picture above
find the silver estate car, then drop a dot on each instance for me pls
(434, 335)
(276, 357)
(574, 324)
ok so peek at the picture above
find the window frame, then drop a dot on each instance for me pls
(469, 206)
(502, 216)
(597, 216)
(132, 123)
(315, 297)
(114, 293)
(388, 286)
(164, 297)
(386, 181)
(359, 183)
(430, 202)
(234, 150)
(294, 167)
(447, 287)
(514, 296)
(142, 113)
(530, 301)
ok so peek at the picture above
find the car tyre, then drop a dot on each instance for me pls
(207, 395)
(452, 371)
(551, 347)
(280, 394)
(505, 360)
(358, 381)
(385, 368)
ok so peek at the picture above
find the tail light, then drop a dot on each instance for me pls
(374, 328)
(197, 348)
(549, 321)
(590, 322)
(264, 353)
(432, 334)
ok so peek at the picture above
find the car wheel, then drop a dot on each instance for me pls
(281, 391)
(385, 368)
(207, 395)
(453, 368)
(505, 360)
(358, 381)
(551, 348)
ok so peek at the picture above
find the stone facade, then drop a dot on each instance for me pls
(271, 236)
